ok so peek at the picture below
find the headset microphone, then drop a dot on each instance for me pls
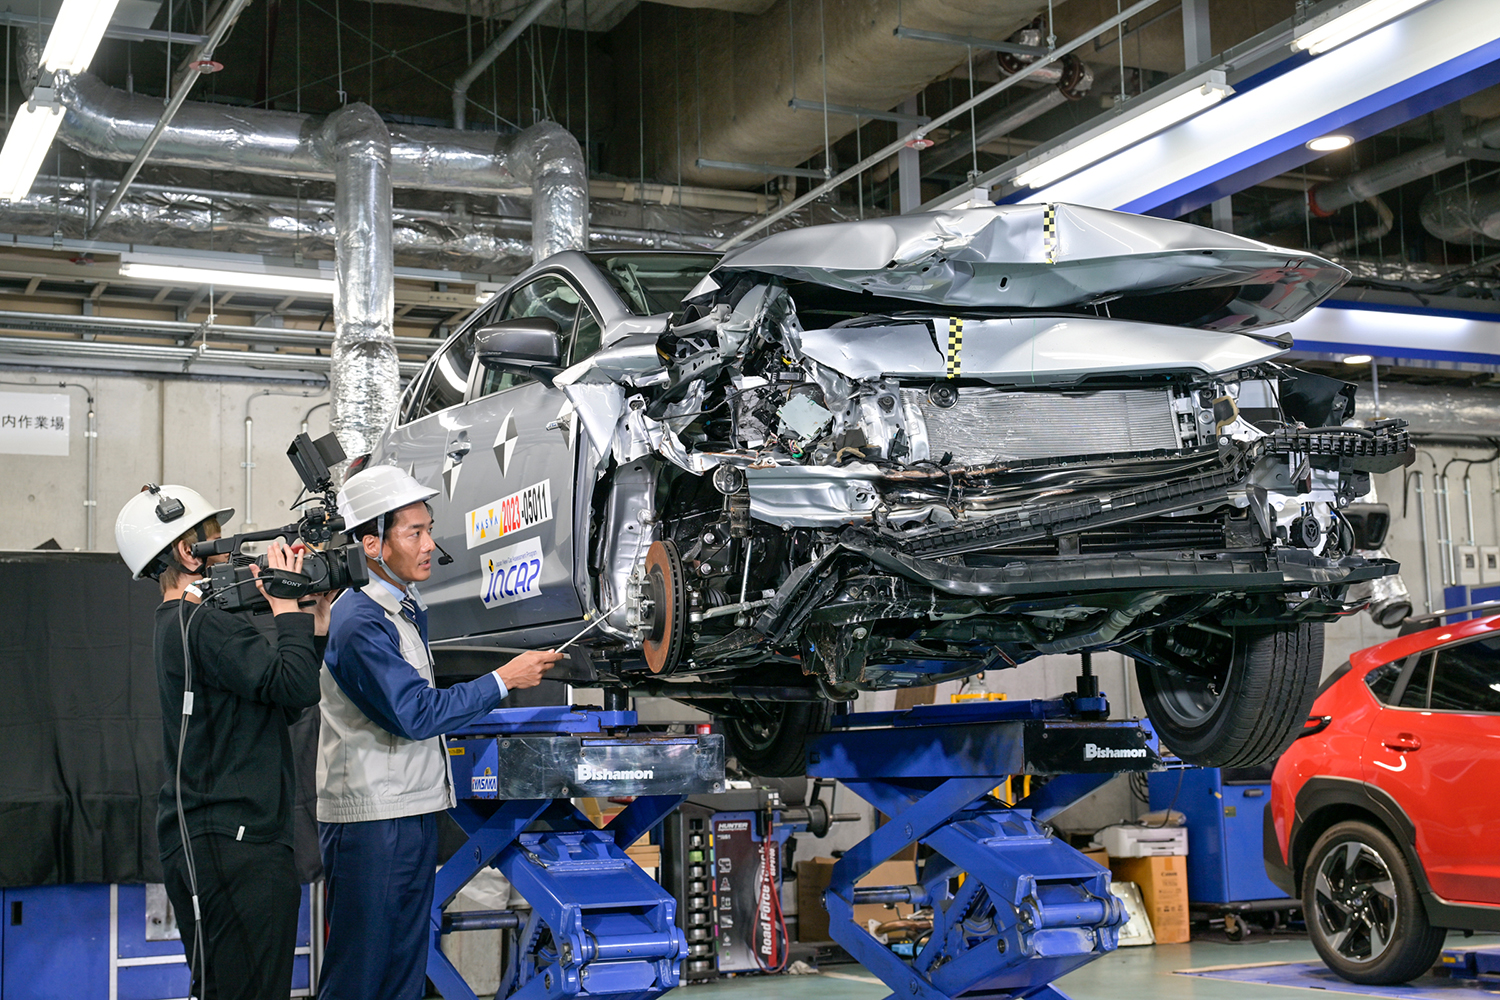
(445, 558)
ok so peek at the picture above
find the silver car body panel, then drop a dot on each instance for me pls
(1031, 350)
(1040, 257)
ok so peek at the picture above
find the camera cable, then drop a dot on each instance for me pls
(198, 962)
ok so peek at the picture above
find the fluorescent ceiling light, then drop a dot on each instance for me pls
(1348, 20)
(280, 283)
(76, 33)
(1129, 128)
(1330, 143)
(31, 132)
(1358, 359)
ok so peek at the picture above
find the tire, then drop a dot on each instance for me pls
(1363, 910)
(771, 739)
(1232, 697)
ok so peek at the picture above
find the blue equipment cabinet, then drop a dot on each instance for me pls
(1223, 810)
(90, 940)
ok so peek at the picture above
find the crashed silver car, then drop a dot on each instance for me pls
(894, 452)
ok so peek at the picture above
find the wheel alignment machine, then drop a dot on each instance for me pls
(1014, 908)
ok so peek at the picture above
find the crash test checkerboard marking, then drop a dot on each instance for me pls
(955, 346)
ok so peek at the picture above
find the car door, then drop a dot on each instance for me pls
(419, 444)
(511, 452)
(1437, 752)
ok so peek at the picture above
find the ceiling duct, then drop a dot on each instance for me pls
(718, 86)
(365, 377)
(110, 124)
(1323, 200)
(1438, 411)
(1463, 214)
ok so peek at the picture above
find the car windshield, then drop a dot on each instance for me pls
(651, 283)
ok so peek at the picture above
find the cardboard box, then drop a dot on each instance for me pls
(1163, 882)
(812, 881)
(812, 915)
(1097, 855)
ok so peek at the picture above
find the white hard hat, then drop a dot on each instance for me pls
(378, 490)
(155, 518)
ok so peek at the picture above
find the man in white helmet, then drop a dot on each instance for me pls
(235, 769)
(383, 773)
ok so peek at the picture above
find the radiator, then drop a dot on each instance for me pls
(995, 424)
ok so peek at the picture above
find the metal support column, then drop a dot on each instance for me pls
(908, 168)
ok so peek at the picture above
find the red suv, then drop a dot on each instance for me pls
(1385, 813)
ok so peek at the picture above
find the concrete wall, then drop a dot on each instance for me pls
(154, 430)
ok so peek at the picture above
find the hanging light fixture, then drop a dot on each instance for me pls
(1141, 119)
(1348, 20)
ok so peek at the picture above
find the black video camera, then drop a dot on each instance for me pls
(332, 561)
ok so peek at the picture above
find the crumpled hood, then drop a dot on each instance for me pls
(1050, 257)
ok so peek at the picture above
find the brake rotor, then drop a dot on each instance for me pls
(668, 592)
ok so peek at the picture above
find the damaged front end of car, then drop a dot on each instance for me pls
(888, 453)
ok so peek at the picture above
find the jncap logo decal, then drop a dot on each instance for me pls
(511, 574)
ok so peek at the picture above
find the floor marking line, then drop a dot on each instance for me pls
(852, 978)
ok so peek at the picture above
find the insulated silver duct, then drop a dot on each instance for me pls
(1325, 199)
(365, 377)
(1463, 214)
(29, 42)
(486, 234)
(110, 124)
(1440, 412)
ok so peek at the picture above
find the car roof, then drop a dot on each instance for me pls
(1403, 646)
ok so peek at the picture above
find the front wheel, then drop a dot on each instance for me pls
(1364, 913)
(770, 739)
(1230, 696)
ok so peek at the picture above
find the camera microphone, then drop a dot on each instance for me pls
(444, 559)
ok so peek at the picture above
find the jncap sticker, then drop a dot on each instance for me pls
(511, 574)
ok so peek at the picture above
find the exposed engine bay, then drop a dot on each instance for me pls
(954, 452)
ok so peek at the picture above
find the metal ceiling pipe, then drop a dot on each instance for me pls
(500, 44)
(1323, 200)
(365, 377)
(1463, 214)
(1007, 120)
(110, 124)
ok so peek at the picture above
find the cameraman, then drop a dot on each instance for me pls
(236, 781)
(382, 764)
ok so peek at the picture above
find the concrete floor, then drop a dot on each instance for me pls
(1144, 973)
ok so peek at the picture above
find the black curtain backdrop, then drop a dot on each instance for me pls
(80, 725)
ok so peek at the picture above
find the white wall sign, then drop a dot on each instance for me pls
(34, 423)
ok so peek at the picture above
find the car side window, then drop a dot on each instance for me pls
(1382, 680)
(447, 378)
(1419, 683)
(1467, 678)
(549, 297)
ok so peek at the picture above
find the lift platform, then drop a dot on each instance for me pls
(1014, 908)
(599, 926)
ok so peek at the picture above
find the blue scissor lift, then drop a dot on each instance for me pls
(1014, 908)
